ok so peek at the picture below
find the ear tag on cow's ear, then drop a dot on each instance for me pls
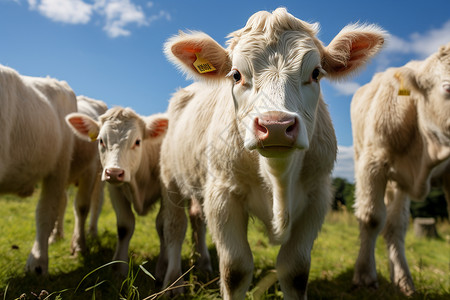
(402, 91)
(202, 65)
(93, 136)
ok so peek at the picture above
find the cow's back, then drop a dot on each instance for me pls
(34, 132)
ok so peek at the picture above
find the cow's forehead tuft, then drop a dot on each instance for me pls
(119, 114)
(269, 27)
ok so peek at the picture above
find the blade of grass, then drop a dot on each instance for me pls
(99, 268)
(170, 287)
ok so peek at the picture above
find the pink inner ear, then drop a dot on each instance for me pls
(360, 45)
(79, 125)
(359, 50)
(160, 127)
(186, 52)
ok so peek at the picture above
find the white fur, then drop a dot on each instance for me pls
(401, 144)
(212, 150)
(36, 146)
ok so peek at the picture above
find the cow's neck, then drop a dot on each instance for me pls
(282, 174)
(434, 153)
(438, 146)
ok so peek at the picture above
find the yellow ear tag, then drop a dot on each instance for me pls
(202, 65)
(402, 91)
(93, 136)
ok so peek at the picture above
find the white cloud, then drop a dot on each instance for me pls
(344, 167)
(418, 45)
(428, 43)
(162, 15)
(346, 88)
(117, 15)
(72, 12)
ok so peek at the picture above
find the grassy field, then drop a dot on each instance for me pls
(333, 257)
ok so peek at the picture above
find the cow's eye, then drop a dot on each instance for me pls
(315, 76)
(446, 87)
(137, 143)
(236, 75)
(101, 142)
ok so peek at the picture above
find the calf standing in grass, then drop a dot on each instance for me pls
(253, 136)
(36, 146)
(401, 132)
(129, 148)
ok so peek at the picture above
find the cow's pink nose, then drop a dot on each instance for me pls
(276, 129)
(114, 175)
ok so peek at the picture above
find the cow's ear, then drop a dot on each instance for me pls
(351, 49)
(156, 127)
(407, 81)
(83, 126)
(198, 56)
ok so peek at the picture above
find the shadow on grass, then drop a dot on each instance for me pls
(340, 287)
(105, 284)
(96, 278)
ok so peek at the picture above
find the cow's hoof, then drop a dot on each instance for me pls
(366, 282)
(406, 286)
(36, 266)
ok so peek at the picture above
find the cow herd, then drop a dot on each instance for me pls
(252, 136)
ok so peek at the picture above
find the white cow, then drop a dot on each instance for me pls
(129, 147)
(401, 132)
(85, 173)
(36, 146)
(253, 136)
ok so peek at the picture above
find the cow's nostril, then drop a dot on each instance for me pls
(292, 129)
(259, 127)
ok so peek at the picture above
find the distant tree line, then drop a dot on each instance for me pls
(434, 205)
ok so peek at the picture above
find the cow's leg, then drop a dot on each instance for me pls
(394, 233)
(125, 227)
(174, 232)
(294, 257)
(97, 199)
(48, 207)
(371, 212)
(81, 209)
(446, 188)
(199, 236)
(228, 219)
(58, 230)
(161, 264)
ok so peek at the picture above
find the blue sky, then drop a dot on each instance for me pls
(112, 49)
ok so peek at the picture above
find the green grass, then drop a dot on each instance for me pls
(331, 272)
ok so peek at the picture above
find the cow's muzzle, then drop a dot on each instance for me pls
(276, 131)
(114, 175)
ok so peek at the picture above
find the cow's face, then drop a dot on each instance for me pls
(430, 82)
(275, 91)
(120, 148)
(121, 136)
(439, 91)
